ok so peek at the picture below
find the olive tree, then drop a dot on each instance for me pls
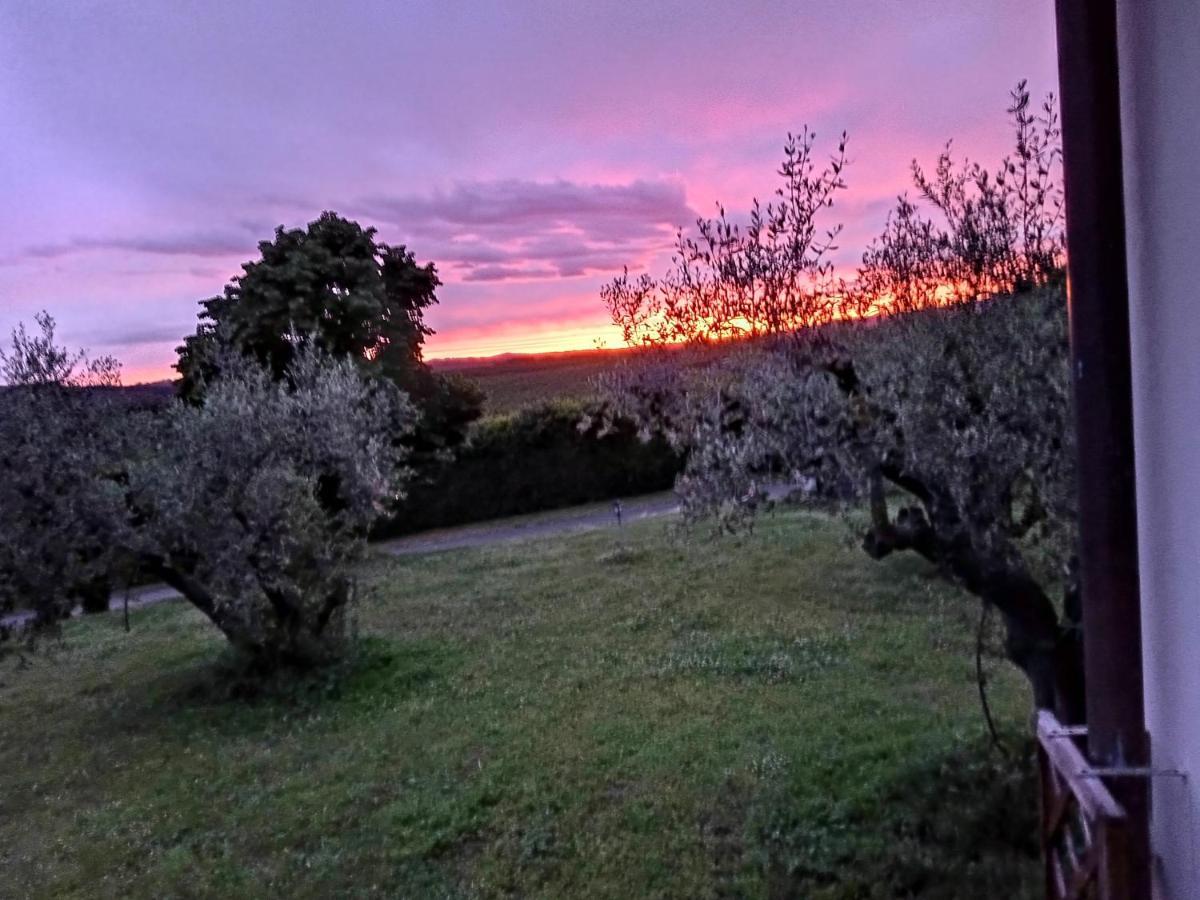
(254, 505)
(57, 447)
(934, 384)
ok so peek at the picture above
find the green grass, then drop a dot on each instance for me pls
(592, 716)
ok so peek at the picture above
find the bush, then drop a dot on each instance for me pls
(538, 458)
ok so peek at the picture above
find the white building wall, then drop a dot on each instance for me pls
(1160, 109)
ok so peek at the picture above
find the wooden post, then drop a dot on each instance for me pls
(1098, 296)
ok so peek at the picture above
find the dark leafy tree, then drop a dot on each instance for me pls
(333, 285)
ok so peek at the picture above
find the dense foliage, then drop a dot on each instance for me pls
(534, 459)
(941, 399)
(57, 447)
(253, 505)
(332, 284)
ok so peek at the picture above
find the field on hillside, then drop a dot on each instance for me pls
(613, 714)
(510, 382)
(514, 382)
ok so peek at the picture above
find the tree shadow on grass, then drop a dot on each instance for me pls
(961, 825)
(221, 695)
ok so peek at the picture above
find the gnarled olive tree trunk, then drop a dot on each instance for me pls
(1045, 646)
(287, 630)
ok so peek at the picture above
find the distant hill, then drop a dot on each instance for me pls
(149, 395)
(512, 381)
(554, 358)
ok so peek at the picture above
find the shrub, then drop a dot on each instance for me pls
(542, 457)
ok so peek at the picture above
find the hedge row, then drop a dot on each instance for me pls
(535, 459)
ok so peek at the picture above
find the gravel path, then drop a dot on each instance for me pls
(547, 524)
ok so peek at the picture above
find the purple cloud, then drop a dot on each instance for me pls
(516, 202)
(481, 231)
(520, 230)
(201, 244)
(508, 273)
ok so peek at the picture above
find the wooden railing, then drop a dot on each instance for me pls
(1085, 842)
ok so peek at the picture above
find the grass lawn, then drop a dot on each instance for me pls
(600, 715)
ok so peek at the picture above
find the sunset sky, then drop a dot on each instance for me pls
(528, 149)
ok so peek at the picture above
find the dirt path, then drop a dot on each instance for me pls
(537, 525)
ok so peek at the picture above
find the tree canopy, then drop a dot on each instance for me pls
(332, 284)
(255, 504)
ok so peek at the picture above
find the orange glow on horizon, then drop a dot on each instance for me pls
(847, 306)
(558, 337)
(516, 338)
(465, 343)
(147, 375)
(522, 338)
